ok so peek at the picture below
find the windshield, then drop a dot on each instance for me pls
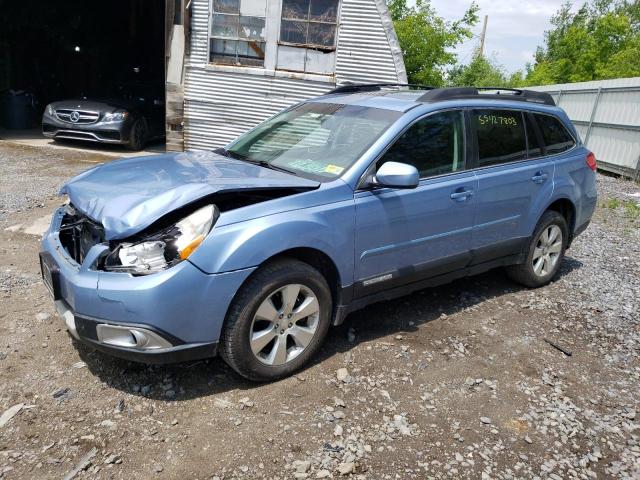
(314, 140)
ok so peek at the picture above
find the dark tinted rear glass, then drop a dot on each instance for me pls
(535, 149)
(555, 135)
(501, 136)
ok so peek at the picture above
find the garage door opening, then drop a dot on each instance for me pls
(74, 49)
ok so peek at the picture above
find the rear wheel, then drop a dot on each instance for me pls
(545, 252)
(277, 321)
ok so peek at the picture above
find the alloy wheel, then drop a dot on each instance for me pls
(284, 324)
(547, 251)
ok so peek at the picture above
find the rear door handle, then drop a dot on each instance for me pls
(461, 195)
(540, 177)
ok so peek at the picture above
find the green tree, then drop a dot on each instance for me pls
(600, 40)
(481, 72)
(427, 40)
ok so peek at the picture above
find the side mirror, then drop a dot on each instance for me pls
(396, 175)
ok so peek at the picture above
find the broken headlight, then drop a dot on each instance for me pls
(164, 249)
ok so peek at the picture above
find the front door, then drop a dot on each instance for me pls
(403, 236)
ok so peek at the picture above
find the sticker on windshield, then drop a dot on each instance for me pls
(336, 170)
(310, 166)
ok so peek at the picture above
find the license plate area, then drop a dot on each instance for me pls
(50, 274)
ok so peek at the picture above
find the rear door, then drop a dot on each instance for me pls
(513, 179)
(404, 236)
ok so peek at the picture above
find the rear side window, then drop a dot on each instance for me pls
(434, 145)
(555, 135)
(501, 136)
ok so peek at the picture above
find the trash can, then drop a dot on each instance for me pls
(17, 110)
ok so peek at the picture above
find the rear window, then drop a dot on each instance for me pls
(501, 136)
(556, 137)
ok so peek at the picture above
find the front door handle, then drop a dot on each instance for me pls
(461, 195)
(540, 177)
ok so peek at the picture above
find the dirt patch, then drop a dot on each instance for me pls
(455, 381)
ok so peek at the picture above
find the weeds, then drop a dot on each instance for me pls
(631, 207)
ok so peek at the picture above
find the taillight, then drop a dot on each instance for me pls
(591, 161)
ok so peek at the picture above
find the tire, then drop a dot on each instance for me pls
(259, 313)
(530, 273)
(138, 135)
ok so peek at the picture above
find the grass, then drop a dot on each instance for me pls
(631, 207)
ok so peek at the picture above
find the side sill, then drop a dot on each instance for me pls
(343, 310)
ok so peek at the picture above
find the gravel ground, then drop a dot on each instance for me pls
(31, 175)
(452, 382)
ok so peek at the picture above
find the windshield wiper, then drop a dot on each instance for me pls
(261, 163)
(228, 153)
(265, 164)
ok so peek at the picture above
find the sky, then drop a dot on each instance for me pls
(514, 29)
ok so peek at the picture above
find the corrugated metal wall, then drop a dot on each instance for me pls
(220, 105)
(606, 114)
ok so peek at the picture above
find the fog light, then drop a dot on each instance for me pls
(130, 337)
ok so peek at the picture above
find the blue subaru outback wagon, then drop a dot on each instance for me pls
(363, 194)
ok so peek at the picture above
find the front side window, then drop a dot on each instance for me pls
(309, 23)
(555, 135)
(238, 32)
(314, 140)
(501, 136)
(434, 145)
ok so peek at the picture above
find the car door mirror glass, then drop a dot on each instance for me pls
(396, 175)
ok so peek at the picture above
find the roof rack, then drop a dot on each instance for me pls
(454, 93)
(373, 87)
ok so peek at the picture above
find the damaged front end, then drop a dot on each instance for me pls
(78, 233)
(145, 253)
(149, 253)
(167, 242)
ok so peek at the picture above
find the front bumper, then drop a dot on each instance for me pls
(101, 132)
(84, 330)
(180, 311)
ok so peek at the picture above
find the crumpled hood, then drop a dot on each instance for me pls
(126, 196)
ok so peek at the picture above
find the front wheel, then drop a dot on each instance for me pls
(277, 321)
(545, 252)
(138, 135)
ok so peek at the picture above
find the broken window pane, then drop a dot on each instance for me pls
(324, 11)
(309, 22)
(322, 34)
(293, 31)
(295, 9)
(226, 6)
(321, 62)
(224, 25)
(251, 28)
(251, 49)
